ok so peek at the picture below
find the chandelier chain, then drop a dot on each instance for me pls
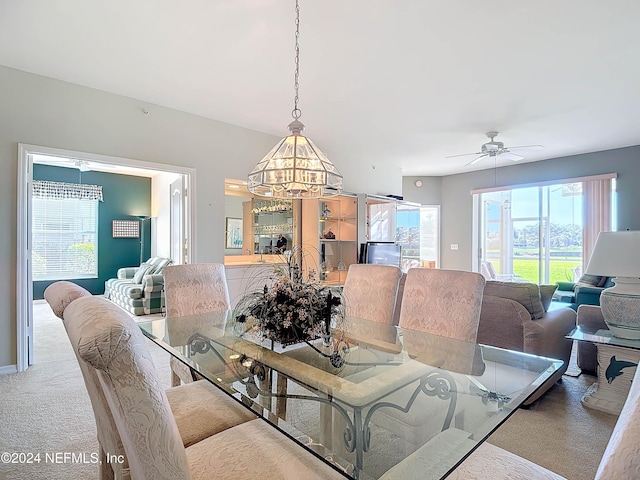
(296, 113)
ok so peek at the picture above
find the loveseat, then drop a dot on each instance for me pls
(139, 290)
(516, 316)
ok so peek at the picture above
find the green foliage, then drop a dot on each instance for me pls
(38, 264)
(85, 256)
(559, 270)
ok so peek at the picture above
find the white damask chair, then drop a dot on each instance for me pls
(442, 302)
(446, 303)
(191, 404)
(487, 462)
(111, 344)
(190, 290)
(370, 292)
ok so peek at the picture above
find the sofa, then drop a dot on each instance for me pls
(139, 290)
(591, 319)
(516, 316)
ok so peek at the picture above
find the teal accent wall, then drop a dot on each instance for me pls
(125, 196)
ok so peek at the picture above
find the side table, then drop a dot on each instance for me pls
(618, 359)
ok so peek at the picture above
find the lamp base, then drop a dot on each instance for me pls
(621, 307)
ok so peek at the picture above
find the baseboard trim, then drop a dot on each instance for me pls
(8, 369)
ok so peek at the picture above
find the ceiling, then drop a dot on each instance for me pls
(407, 82)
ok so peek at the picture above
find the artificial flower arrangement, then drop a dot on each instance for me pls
(293, 309)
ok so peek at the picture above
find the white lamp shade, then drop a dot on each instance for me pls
(616, 254)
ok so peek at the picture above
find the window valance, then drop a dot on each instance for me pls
(47, 189)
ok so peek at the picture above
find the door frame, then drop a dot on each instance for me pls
(24, 279)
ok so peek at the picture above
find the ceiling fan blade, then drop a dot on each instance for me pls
(464, 155)
(510, 156)
(476, 160)
(531, 148)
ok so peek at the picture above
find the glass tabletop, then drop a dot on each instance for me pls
(603, 336)
(366, 396)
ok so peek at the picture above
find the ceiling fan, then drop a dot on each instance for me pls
(497, 149)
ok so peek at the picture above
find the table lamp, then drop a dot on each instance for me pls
(617, 254)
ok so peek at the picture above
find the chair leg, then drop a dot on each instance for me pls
(175, 379)
(180, 373)
(106, 470)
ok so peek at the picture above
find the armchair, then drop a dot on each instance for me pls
(586, 291)
(139, 290)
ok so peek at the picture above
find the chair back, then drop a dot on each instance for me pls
(370, 292)
(109, 341)
(442, 302)
(59, 296)
(195, 288)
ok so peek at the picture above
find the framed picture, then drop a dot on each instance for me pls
(234, 233)
(125, 229)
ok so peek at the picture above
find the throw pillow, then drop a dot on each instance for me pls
(527, 294)
(590, 280)
(147, 264)
(546, 295)
(141, 272)
(161, 264)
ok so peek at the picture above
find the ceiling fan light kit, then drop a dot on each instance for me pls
(495, 149)
(295, 167)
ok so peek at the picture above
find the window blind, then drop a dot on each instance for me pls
(64, 232)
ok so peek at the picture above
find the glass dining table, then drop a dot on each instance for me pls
(364, 397)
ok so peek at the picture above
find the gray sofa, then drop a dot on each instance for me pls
(139, 290)
(590, 318)
(516, 316)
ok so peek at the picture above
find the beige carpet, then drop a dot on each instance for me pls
(47, 410)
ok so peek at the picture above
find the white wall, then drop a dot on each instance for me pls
(40, 111)
(456, 199)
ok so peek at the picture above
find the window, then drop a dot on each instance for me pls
(65, 235)
(430, 236)
(542, 233)
(418, 231)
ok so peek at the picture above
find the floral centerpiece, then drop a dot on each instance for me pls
(293, 309)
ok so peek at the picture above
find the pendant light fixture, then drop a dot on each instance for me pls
(295, 167)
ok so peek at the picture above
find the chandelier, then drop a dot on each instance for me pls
(295, 167)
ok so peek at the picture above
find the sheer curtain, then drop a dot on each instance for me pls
(596, 197)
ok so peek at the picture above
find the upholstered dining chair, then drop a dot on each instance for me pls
(191, 289)
(110, 342)
(442, 302)
(191, 404)
(370, 291)
(195, 288)
(439, 302)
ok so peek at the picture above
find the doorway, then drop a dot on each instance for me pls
(162, 201)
